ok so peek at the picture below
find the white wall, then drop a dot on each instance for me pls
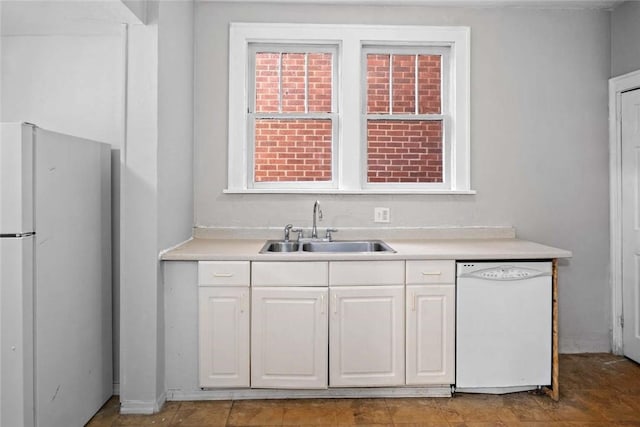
(71, 82)
(67, 83)
(539, 140)
(625, 38)
(157, 199)
(140, 309)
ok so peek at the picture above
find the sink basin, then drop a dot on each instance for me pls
(347, 246)
(336, 246)
(279, 246)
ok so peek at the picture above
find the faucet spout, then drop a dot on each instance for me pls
(317, 214)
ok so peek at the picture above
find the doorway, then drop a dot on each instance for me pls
(624, 95)
(630, 137)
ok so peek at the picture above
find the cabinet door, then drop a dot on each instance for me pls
(289, 328)
(224, 336)
(366, 336)
(430, 334)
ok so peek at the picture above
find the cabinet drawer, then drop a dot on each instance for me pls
(345, 273)
(225, 273)
(289, 273)
(432, 271)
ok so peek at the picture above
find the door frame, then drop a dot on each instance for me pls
(617, 86)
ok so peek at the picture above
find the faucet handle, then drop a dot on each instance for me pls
(287, 228)
(300, 232)
(329, 231)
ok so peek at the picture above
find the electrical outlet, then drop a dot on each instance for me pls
(381, 215)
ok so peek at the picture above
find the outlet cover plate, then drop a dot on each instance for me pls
(381, 215)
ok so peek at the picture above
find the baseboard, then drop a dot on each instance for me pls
(595, 344)
(140, 407)
(335, 393)
(116, 389)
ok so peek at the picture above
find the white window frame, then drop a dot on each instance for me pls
(350, 154)
(444, 115)
(253, 116)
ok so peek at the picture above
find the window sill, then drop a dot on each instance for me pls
(354, 192)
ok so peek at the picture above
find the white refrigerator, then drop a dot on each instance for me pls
(55, 277)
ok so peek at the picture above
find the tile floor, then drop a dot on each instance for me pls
(595, 390)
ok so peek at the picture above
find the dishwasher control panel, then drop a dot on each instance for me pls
(501, 271)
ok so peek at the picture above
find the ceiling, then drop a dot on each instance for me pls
(104, 16)
(554, 4)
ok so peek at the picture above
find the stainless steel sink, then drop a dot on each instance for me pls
(336, 246)
(273, 246)
(347, 246)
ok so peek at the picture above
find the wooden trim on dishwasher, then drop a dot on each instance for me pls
(554, 390)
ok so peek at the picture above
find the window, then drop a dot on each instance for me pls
(348, 109)
(292, 125)
(405, 101)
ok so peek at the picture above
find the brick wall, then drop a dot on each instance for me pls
(287, 149)
(404, 151)
(292, 150)
(404, 84)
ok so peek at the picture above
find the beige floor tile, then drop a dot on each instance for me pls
(316, 412)
(107, 414)
(465, 408)
(415, 410)
(611, 405)
(424, 424)
(572, 407)
(202, 414)
(256, 413)
(596, 390)
(163, 418)
(362, 412)
(485, 424)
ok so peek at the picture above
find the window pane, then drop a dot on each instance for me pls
(403, 90)
(292, 150)
(404, 151)
(320, 82)
(377, 83)
(404, 84)
(267, 82)
(293, 82)
(429, 84)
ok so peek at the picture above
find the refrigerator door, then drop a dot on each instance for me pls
(16, 178)
(16, 331)
(73, 366)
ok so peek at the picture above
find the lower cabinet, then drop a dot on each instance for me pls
(313, 325)
(224, 336)
(289, 333)
(430, 341)
(366, 344)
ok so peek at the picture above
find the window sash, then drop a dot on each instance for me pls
(443, 52)
(444, 116)
(252, 115)
(446, 156)
(328, 184)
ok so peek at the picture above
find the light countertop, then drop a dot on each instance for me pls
(204, 249)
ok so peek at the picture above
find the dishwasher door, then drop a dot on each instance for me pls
(503, 326)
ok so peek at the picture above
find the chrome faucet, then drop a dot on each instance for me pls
(287, 229)
(317, 213)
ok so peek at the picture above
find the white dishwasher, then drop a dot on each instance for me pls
(503, 326)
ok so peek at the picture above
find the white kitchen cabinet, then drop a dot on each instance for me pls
(430, 320)
(366, 339)
(430, 340)
(224, 336)
(366, 346)
(289, 335)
